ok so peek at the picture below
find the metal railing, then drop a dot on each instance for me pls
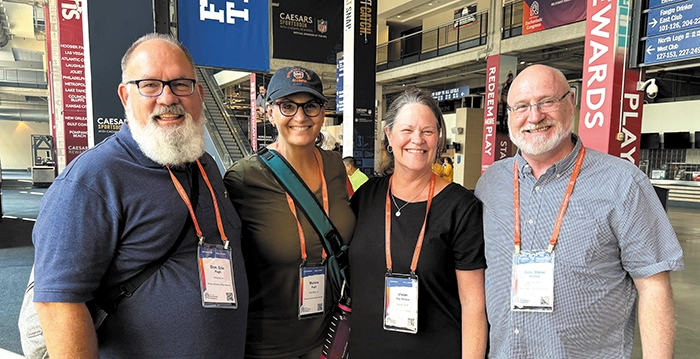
(440, 40)
(231, 124)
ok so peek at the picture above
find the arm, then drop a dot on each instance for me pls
(657, 319)
(68, 330)
(472, 298)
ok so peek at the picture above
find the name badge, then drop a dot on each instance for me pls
(216, 276)
(401, 303)
(532, 287)
(312, 291)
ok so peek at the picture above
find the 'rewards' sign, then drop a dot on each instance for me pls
(611, 106)
(541, 15)
(72, 64)
(489, 153)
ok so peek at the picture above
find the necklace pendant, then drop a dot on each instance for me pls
(398, 213)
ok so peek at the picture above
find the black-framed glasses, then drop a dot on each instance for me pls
(154, 88)
(546, 105)
(290, 108)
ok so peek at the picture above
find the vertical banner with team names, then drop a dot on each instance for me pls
(72, 63)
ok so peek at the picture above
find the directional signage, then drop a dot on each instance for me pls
(677, 46)
(451, 94)
(673, 18)
(673, 31)
(657, 3)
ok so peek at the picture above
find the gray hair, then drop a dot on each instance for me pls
(153, 36)
(411, 96)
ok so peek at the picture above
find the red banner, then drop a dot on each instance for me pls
(72, 57)
(489, 153)
(611, 106)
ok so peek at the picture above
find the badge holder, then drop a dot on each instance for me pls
(532, 282)
(216, 277)
(401, 303)
(312, 291)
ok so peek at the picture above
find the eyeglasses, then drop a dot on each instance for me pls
(290, 108)
(546, 105)
(154, 88)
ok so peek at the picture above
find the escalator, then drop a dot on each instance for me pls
(225, 130)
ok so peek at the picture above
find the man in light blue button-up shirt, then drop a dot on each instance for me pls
(616, 244)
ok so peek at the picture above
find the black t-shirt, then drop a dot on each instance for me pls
(453, 240)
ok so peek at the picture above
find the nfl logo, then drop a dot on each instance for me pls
(322, 26)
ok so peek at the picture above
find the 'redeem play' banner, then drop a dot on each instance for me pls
(226, 34)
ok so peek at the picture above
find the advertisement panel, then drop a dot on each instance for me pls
(359, 68)
(226, 34)
(106, 41)
(72, 56)
(308, 30)
(464, 17)
(538, 16)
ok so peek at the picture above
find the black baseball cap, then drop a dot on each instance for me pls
(294, 79)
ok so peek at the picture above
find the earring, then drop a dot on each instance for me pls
(389, 149)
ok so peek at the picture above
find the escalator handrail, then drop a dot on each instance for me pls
(234, 127)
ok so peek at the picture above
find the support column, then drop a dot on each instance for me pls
(359, 78)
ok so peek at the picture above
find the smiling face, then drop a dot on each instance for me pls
(541, 135)
(169, 129)
(414, 138)
(299, 130)
(160, 60)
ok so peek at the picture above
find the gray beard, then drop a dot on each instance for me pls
(543, 145)
(169, 145)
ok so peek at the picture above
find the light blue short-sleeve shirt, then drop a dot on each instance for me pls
(614, 230)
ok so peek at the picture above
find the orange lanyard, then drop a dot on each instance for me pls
(421, 236)
(290, 202)
(562, 208)
(185, 198)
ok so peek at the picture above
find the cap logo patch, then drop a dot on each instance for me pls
(298, 75)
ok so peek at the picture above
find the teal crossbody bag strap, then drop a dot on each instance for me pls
(337, 259)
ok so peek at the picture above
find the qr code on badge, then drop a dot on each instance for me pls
(319, 306)
(411, 322)
(229, 297)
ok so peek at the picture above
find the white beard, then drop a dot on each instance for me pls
(171, 145)
(542, 145)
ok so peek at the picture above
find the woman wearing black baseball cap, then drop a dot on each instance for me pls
(283, 254)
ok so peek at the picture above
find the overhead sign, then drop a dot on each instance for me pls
(307, 30)
(224, 34)
(451, 94)
(673, 18)
(657, 3)
(677, 46)
(673, 32)
(542, 15)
